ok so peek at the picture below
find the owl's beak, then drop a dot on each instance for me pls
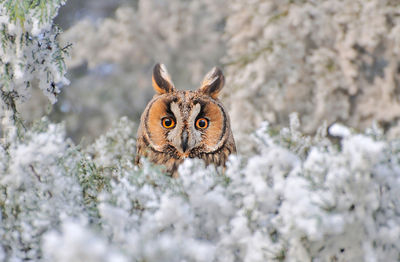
(184, 139)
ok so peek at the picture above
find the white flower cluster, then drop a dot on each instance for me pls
(29, 52)
(297, 199)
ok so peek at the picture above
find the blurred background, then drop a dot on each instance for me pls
(330, 61)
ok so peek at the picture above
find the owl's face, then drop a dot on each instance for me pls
(185, 123)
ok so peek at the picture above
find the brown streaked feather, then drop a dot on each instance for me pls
(161, 80)
(213, 82)
(217, 127)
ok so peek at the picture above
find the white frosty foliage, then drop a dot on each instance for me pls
(77, 243)
(327, 60)
(155, 31)
(29, 51)
(339, 130)
(117, 147)
(334, 205)
(37, 189)
(297, 199)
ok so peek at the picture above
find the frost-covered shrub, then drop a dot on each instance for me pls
(38, 187)
(340, 204)
(116, 148)
(298, 198)
(77, 243)
(30, 54)
(327, 60)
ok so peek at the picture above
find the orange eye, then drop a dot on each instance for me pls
(168, 122)
(202, 123)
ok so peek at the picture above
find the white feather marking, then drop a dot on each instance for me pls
(164, 73)
(195, 137)
(174, 135)
(208, 80)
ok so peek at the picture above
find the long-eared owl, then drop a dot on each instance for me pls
(185, 124)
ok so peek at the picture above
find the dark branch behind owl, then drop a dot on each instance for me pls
(213, 83)
(162, 83)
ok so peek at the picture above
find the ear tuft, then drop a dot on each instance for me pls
(161, 80)
(213, 83)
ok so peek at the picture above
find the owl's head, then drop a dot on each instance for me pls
(185, 123)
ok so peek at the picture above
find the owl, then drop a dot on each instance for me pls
(176, 124)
